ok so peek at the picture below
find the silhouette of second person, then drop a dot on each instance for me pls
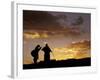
(47, 51)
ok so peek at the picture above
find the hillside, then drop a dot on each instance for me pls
(61, 63)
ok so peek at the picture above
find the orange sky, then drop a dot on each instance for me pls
(61, 51)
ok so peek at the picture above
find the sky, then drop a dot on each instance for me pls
(61, 30)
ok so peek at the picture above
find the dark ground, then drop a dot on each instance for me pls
(62, 63)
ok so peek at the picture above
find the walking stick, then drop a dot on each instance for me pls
(53, 55)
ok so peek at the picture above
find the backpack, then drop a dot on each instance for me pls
(33, 53)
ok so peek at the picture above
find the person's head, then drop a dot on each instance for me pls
(37, 46)
(46, 44)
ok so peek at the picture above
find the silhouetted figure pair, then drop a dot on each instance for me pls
(46, 50)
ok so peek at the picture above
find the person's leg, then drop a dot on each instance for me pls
(48, 57)
(35, 60)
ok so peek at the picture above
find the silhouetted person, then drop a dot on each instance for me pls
(34, 53)
(47, 51)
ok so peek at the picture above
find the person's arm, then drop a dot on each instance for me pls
(50, 50)
(40, 47)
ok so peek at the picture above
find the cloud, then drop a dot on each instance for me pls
(39, 20)
(78, 21)
(76, 50)
(56, 21)
(84, 44)
(36, 34)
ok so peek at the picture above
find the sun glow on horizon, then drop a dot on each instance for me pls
(76, 50)
(70, 53)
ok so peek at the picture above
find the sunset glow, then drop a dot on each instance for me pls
(67, 34)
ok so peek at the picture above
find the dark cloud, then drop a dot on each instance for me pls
(56, 22)
(39, 20)
(78, 21)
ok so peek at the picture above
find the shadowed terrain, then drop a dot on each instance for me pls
(61, 63)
